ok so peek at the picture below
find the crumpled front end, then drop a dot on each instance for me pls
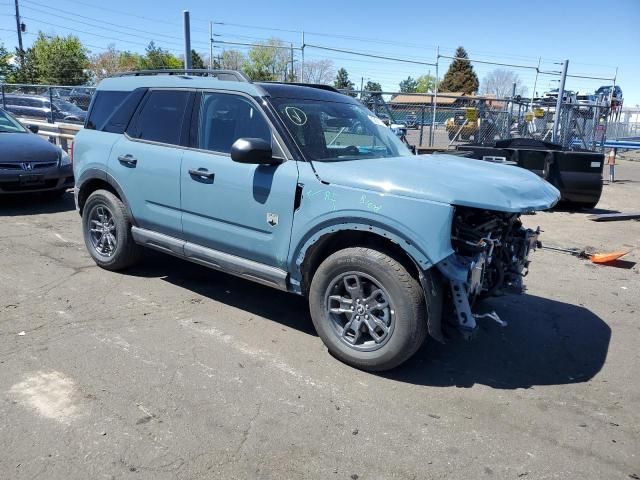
(491, 256)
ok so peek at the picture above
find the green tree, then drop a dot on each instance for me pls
(409, 85)
(267, 61)
(59, 60)
(6, 67)
(156, 58)
(425, 83)
(342, 82)
(367, 96)
(196, 60)
(26, 71)
(460, 76)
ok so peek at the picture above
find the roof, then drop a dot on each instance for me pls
(285, 90)
(448, 98)
(305, 92)
(128, 83)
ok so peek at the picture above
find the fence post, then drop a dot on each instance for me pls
(421, 124)
(556, 121)
(434, 99)
(51, 114)
(4, 102)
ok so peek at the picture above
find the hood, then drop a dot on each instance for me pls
(446, 179)
(26, 147)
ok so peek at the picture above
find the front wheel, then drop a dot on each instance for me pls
(368, 309)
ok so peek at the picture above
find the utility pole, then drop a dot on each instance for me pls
(302, 59)
(556, 120)
(293, 72)
(187, 40)
(210, 45)
(19, 30)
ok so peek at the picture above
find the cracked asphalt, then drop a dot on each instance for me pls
(173, 371)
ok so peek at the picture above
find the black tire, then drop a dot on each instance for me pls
(408, 324)
(125, 251)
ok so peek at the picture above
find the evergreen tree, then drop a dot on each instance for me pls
(156, 58)
(26, 71)
(460, 77)
(6, 68)
(342, 81)
(196, 60)
(369, 98)
(409, 85)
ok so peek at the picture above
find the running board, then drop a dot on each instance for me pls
(241, 267)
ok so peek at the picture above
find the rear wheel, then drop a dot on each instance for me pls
(368, 310)
(107, 231)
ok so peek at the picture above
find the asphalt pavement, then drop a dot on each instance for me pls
(173, 371)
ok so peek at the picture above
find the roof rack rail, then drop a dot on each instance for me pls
(319, 86)
(228, 75)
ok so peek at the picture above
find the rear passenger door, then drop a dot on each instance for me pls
(240, 209)
(146, 160)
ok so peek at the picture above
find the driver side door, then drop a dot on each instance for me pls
(240, 209)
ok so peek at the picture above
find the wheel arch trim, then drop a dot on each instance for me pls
(99, 174)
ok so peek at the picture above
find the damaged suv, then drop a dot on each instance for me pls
(303, 189)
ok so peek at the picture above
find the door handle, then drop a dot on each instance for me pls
(128, 160)
(202, 173)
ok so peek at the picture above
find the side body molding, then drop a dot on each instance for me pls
(241, 267)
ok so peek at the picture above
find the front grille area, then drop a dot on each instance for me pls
(10, 166)
(34, 165)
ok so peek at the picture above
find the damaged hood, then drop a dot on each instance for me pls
(446, 179)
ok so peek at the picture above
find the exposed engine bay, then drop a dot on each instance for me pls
(503, 242)
(491, 256)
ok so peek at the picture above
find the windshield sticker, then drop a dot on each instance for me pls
(376, 120)
(296, 115)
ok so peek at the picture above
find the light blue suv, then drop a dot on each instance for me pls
(303, 189)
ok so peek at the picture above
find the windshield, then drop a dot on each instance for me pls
(8, 124)
(68, 107)
(332, 131)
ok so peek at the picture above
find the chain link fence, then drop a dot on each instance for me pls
(445, 120)
(47, 103)
(433, 121)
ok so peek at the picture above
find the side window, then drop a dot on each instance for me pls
(224, 118)
(104, 104)
(161, 117)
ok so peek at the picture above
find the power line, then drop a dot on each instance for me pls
(94, 20)
(319, 47)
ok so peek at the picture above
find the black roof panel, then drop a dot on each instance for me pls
(306, 92)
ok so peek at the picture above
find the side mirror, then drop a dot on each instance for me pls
(254, 151)
(33, 128)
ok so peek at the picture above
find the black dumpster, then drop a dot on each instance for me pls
(576, 173)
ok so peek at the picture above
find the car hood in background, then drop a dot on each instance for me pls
(446, 179)
(26, 147)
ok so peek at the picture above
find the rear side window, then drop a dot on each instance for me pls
(161, 116)
(104, 105)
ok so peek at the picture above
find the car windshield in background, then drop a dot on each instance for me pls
(8, 124)
(333, 131)
(68, 107)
